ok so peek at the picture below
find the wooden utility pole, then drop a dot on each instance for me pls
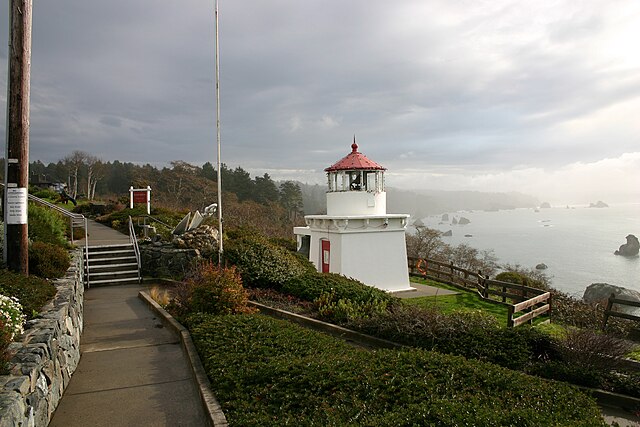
(16, 245)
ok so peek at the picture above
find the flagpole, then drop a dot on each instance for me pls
(218, 141)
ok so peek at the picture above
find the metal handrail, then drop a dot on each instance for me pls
(156, 220)
(134, 241)
(73, 217)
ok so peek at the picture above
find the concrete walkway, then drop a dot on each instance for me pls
(102, 235)
(424, 291)
(132, 372)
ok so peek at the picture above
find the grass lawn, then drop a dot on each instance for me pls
(463, 300)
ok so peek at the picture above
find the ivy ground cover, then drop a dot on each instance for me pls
(270, 372)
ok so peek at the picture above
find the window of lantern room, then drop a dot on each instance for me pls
(355, 181)
(370, 181)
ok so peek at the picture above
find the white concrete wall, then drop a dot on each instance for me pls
(356, 203)
(377, 259)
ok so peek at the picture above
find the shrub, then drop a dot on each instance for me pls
(5, 340)
(270, 372)
(46, 225)
(45, 193)
(119, 220)
(574, 312)
(472, 334)
(311, 285)
(261, 263)
(211, 289)
(592, 350)
(32, 292)
(161, 296)
(48, 261)
(523, 276)
(513, 277)
(566, 371)
(11, 316)
(342, 310)
(281, 301)
(288, 244)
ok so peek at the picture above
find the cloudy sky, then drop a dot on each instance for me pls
(537, 96)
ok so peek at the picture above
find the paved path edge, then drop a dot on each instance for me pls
(214, 411)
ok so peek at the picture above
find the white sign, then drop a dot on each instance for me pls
(16, 205)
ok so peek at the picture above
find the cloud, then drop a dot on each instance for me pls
(503, 87)
(613, 180)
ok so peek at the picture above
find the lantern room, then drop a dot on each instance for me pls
(356, 186)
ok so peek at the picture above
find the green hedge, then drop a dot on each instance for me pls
(47, 260)
(471, 334)
(32, 292)
(311, 285)
(270, 372)
(261, 263)
(47, 225)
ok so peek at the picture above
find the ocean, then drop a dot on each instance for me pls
(577, 243)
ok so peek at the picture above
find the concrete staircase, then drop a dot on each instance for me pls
(112, 265)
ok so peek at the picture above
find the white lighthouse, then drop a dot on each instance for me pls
(357, 237)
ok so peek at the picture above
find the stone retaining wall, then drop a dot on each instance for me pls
(46, 357)
(164, 260)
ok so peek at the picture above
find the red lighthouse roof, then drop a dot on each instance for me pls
(354, 161)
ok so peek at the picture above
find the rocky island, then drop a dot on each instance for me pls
(631, 248)
(598, 204)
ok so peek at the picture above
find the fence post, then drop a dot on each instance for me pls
(607, 310)
(452, 277)
(510, 317)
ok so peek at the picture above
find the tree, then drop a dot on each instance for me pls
(94, 169)
(291, 199)
(265, 190)
(472, 259)
(426, 243)
(209, 172)
(74, 163)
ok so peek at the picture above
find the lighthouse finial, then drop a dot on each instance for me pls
(354, 146)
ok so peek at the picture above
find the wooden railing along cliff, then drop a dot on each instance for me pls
(610, 312)
(518, 298)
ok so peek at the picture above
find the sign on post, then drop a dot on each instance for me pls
(139, 196)
(16, 205)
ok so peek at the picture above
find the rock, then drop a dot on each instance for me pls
(445, 217)
(468, 235)
(203, 238)
(418, 223)
(463, 221)
(454, 221)
(447, 233)
(598, 292)
(541, 266)
(599, 204)
(545, 205)
(631, 248)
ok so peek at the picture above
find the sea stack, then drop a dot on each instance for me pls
(631, 248)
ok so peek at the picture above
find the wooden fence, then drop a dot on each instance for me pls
(609, 312)
(518, 298)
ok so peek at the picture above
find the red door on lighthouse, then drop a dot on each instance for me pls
(325, 255)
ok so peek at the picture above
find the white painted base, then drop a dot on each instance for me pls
(368, 248)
